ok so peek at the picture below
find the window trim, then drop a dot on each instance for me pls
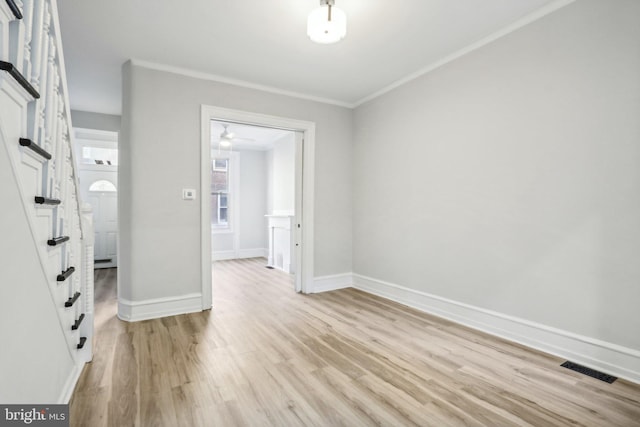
(219, 226)
(234, 192)
(90, 190)
(93, 138)
(213, 164)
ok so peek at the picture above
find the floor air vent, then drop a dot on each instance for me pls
(590, 372)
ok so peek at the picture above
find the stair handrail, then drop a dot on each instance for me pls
(67, 109)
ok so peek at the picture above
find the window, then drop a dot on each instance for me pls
(102, 185)
(220, 193)
(221, 165)
(99, 156)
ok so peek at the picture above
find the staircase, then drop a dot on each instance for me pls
(46, 295)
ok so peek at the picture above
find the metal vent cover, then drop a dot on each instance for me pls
(590, 372)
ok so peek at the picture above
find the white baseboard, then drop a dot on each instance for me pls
(70, 384)
(223, 255)
(242, 253)
(133, 311)
(331, 283)
(607, 357)
(253, 253)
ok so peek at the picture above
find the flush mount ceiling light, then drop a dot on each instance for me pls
(327, 24)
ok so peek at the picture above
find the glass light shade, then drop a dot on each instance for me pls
(321, 30)
(225, 142)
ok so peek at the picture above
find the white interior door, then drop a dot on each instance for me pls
(98, 188)
(105, 225)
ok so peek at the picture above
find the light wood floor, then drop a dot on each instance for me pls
(267, 356)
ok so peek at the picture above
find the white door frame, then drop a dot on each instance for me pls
(304, 219)
(104, 139)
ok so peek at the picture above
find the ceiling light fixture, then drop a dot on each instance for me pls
(327, 24)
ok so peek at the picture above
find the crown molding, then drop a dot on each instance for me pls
(236, 82)
(527, 19)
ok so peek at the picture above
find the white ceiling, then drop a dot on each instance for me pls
(265, 42)
(247, 137)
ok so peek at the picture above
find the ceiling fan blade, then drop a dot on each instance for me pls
(244, 139)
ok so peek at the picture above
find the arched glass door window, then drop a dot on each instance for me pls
(103, 185)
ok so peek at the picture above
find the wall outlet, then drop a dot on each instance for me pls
(188, 194)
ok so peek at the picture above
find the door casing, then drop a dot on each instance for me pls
(305, 175)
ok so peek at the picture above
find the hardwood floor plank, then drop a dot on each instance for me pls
(266, 356)
(123, 405)
(305, 387)
(362, 405)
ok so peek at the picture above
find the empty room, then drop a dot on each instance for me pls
(320, 213)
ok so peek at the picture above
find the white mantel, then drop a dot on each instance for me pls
(280, 242)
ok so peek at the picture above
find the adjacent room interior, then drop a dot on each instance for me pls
(253, 213)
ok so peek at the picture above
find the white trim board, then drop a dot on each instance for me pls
(133, 311)
(253, 253)
(607, 357)
(332, 282)
(240, 254)
(70, 385)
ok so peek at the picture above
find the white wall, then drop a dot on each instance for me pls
(159, 155)
(509, 179)
(281, 176)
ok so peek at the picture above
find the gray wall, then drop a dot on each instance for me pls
(281, 163)
(160, 155)
(88, 120)
(253, 200)
(509, 179)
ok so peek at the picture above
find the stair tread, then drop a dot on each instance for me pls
(65, 274)
(14, 9)
(40, 200)
(18, 77)
(25, 142)
(72, 300)
(76, 325)
(57, 240)
(83, 340)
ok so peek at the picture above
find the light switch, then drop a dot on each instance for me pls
(188, 194)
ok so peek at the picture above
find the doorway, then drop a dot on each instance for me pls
(301, 219)
(253, 193)
(96, 154)
(103, 198)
